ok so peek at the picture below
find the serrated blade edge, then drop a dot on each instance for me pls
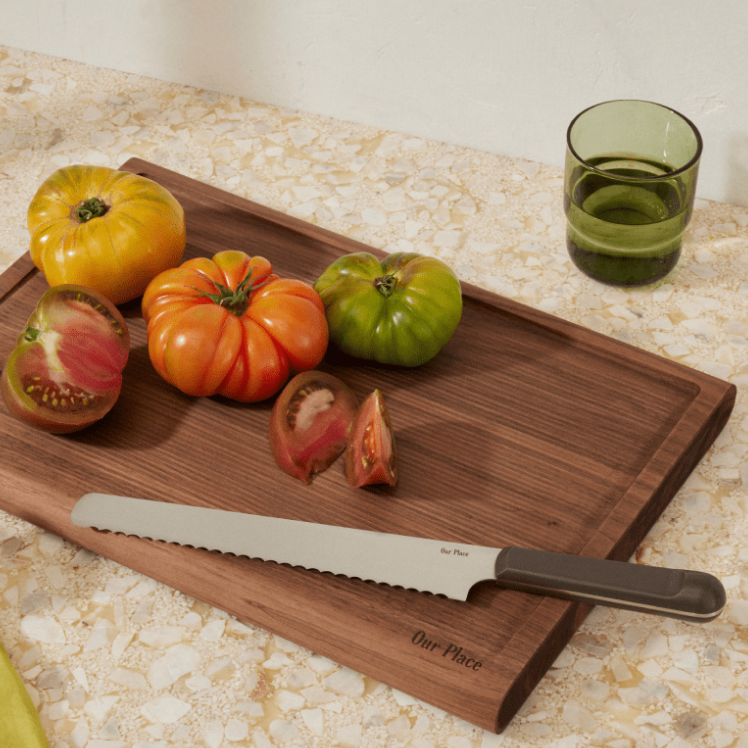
(421, 564)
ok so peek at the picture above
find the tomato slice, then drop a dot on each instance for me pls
(310, 423)
(65, 372)
(370, 455)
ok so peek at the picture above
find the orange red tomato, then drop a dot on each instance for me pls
(230, 326)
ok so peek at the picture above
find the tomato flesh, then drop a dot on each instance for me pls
(65, 372)
(371, 456)
(310, 423)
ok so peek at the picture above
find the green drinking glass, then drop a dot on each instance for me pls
(630, 185)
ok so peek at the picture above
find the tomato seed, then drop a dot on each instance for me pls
(84, 298)
(65, 399)
(370, 445)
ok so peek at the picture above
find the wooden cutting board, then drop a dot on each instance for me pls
(524, 430)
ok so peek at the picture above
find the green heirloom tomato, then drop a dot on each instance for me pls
(401, 310)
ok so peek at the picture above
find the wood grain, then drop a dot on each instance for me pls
(525, 430)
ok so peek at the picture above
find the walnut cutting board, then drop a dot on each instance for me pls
(524, 430)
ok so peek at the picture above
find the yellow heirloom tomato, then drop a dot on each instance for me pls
(104, 229)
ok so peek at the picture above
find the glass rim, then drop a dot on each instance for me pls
(653, 177)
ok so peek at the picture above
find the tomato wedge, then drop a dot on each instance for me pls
(370, 455)
(65, 372)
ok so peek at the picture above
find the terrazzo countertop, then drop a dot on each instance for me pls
(113, 659)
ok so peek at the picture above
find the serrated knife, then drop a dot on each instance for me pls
(421, 564)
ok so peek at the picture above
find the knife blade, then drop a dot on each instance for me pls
(421, 564)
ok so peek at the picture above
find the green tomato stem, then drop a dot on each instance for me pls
(31, 334)
(385, 284)
(236, 301)
(91, 208)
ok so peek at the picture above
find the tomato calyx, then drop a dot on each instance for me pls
(91, 208)
(234, 301)
(385, 284)
(31, 334)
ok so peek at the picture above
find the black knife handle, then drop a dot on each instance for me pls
(675, 593)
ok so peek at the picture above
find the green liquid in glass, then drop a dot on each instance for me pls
(621, 232)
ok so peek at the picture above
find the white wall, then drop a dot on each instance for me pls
(504, 76)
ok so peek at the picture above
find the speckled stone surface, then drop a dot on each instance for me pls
(115, 660)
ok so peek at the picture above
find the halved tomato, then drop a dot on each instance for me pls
(65, 372)
(370, 456)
